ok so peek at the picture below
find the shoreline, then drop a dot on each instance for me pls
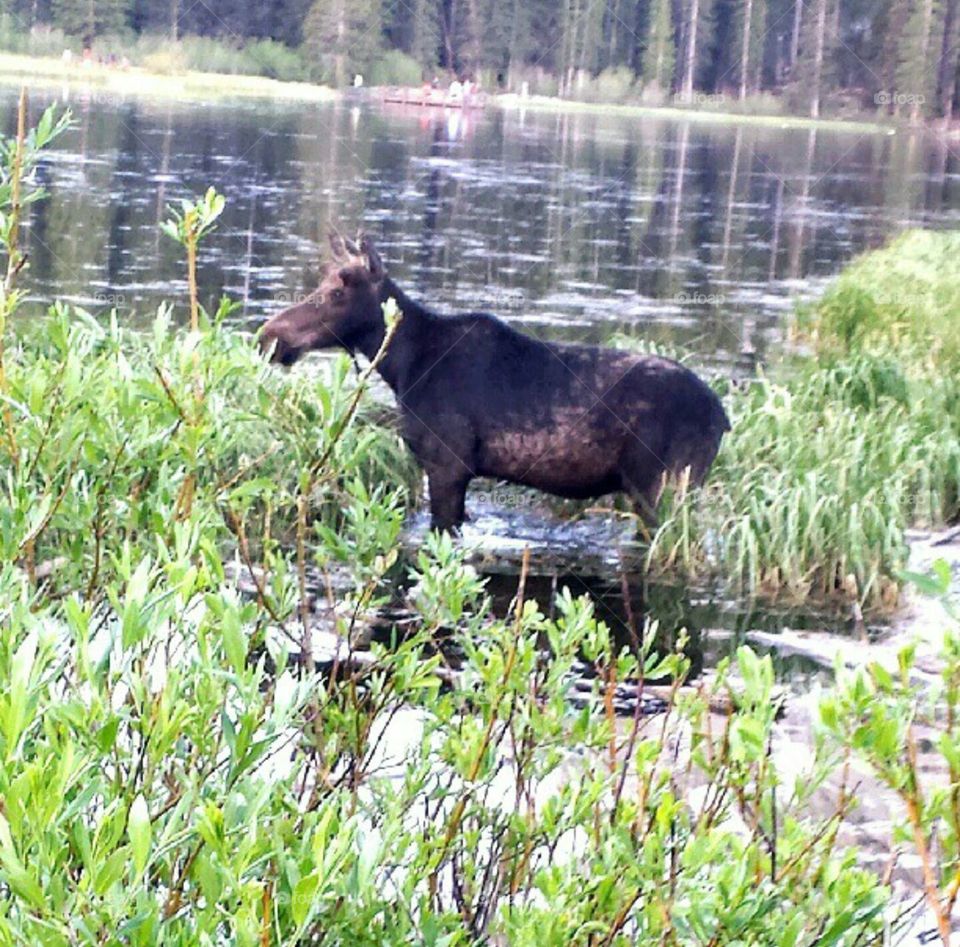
(48, 72)
(17, 69)
(542, 103)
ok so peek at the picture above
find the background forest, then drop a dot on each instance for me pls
(814, 56)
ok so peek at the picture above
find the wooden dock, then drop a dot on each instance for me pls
(432, 98)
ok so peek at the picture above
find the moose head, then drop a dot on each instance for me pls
(342, 311)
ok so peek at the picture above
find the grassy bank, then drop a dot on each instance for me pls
(56, 73)
(716, 116)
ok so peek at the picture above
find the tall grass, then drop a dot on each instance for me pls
(818, 480)
(832, 458)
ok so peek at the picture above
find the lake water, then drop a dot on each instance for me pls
(576, 226)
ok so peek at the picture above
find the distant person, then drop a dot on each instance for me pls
(456, 89)
(358, 81)
(67, 56)
(435, 84)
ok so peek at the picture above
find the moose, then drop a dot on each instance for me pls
(478, 398)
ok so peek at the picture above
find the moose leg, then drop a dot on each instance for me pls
(645, 503)
(644, 493)
(448, 490)
(642, 475)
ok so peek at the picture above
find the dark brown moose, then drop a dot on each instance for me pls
(480, 399)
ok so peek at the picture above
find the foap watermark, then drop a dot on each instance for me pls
(112, 300)
(899, 99)
(698, 99)
(292, 298)
(699, 299)
(504, 498)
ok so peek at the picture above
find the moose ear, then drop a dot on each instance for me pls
(310, 275)
(374, 263)
(351, 276)
(337, 245)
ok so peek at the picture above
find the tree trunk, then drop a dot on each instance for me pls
(174, 20)
(574, 48)
(691, 66)
(795, 37)
(745, 51)
(925, 44)
(471, 48)
(340, 69)
(90, 27)
(614, 22)
(819, 40)
(449, 26)
(947, 68)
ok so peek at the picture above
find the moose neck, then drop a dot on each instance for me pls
(401, 355)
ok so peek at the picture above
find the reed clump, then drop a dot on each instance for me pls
(833, 457)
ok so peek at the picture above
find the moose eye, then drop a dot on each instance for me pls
(337, 294)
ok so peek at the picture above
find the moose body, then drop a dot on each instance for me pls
(479, 399)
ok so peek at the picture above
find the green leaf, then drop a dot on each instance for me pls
(15, 715)
(140, 832)
(18, 877)
(234, 642)
(303, 894)
(111, 871)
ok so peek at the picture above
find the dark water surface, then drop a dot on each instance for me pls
(578, 226)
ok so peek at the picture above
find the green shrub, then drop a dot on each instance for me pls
(652, 95)
(615, 85)
(168, 771)
(167, 61)
(39, 41)
(539, 81)
(395, 67)
(205, 54)
(274, 60)
(905, 296)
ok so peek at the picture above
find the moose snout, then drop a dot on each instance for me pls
(273, 344)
